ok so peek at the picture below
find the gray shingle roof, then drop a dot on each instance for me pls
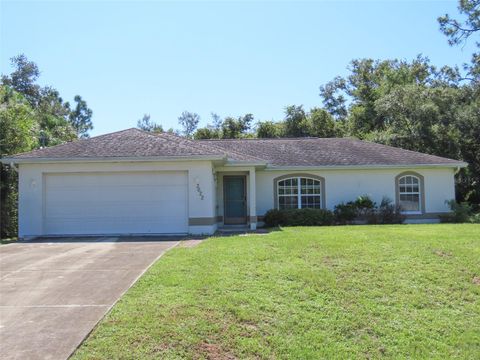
(328, 152)
(130, 143)
(135, 143)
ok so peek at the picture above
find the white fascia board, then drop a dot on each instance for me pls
(244, 163)
(13, 160)
(365, 167)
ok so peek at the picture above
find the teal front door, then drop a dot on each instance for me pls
(235, 200)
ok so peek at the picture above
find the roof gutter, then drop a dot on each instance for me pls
(13, 160)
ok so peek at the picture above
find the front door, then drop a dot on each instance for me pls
(235, 200)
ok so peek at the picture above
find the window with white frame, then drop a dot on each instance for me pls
(409, 193)
(299, 193)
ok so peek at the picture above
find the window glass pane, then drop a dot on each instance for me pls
(288, 202)
(312, 202)
(410, 202)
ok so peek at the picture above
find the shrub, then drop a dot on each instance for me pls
(389, 213)
(461, 212)
(345, 213)
(299, 217)
(309, 217)
(275, 217)
(365, 207)
(474, 219)
(364, 202)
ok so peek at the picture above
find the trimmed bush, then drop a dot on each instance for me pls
(275, 217)
(345, 213)
(299, 217)
(389, 213)
(363, 209)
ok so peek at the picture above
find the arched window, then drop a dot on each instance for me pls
(299, 192)
(410, 192)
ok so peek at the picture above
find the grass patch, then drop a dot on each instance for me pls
(406, 291)
(8, 241)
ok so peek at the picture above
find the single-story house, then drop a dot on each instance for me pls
(135, 182)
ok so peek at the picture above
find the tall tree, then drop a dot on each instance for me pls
(81, 117)
(189, 122)
(32, 116)
(459, 31)
(234, 128)
(146, 124)
(270, 129)
(295, 122)
(18, 133)
(23, 78)
(322, 124)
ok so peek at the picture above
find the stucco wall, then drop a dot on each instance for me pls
(347, 185)
(201, 190)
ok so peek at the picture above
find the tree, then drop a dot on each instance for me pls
(146, 124)
(211, 131)
(207, 132)
(269, 129)
(321, 124)
(32, 116)
(57, 122)
(81, 117)
(18, 133)
(458, 32)
(189, 122)
(234, 128)
(370, 80)
(23, 78)
(295, 122)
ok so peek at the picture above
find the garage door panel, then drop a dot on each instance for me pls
(116, 203)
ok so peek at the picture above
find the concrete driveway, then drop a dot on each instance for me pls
(52, 293)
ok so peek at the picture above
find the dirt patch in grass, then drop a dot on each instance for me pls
(442, 253)
(213, 352)
(476, 280)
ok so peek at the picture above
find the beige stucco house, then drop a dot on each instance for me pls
(134, 182)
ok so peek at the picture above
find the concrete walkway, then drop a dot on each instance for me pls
(52, 293)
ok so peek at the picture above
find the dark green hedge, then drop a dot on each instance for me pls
(299, 217)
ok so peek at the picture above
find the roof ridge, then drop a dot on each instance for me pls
(203, 145)
(262, 139)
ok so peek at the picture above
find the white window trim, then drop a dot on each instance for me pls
(299, 191)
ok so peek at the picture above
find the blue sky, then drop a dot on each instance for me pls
(232, 58)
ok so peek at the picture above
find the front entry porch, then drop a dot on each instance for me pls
(236, 203)
(234, 199)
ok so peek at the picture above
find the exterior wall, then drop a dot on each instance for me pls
(347, 185)
(201, 190)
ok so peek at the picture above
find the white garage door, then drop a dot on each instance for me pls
(116, 203)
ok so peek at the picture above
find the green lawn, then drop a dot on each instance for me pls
(404, 291)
